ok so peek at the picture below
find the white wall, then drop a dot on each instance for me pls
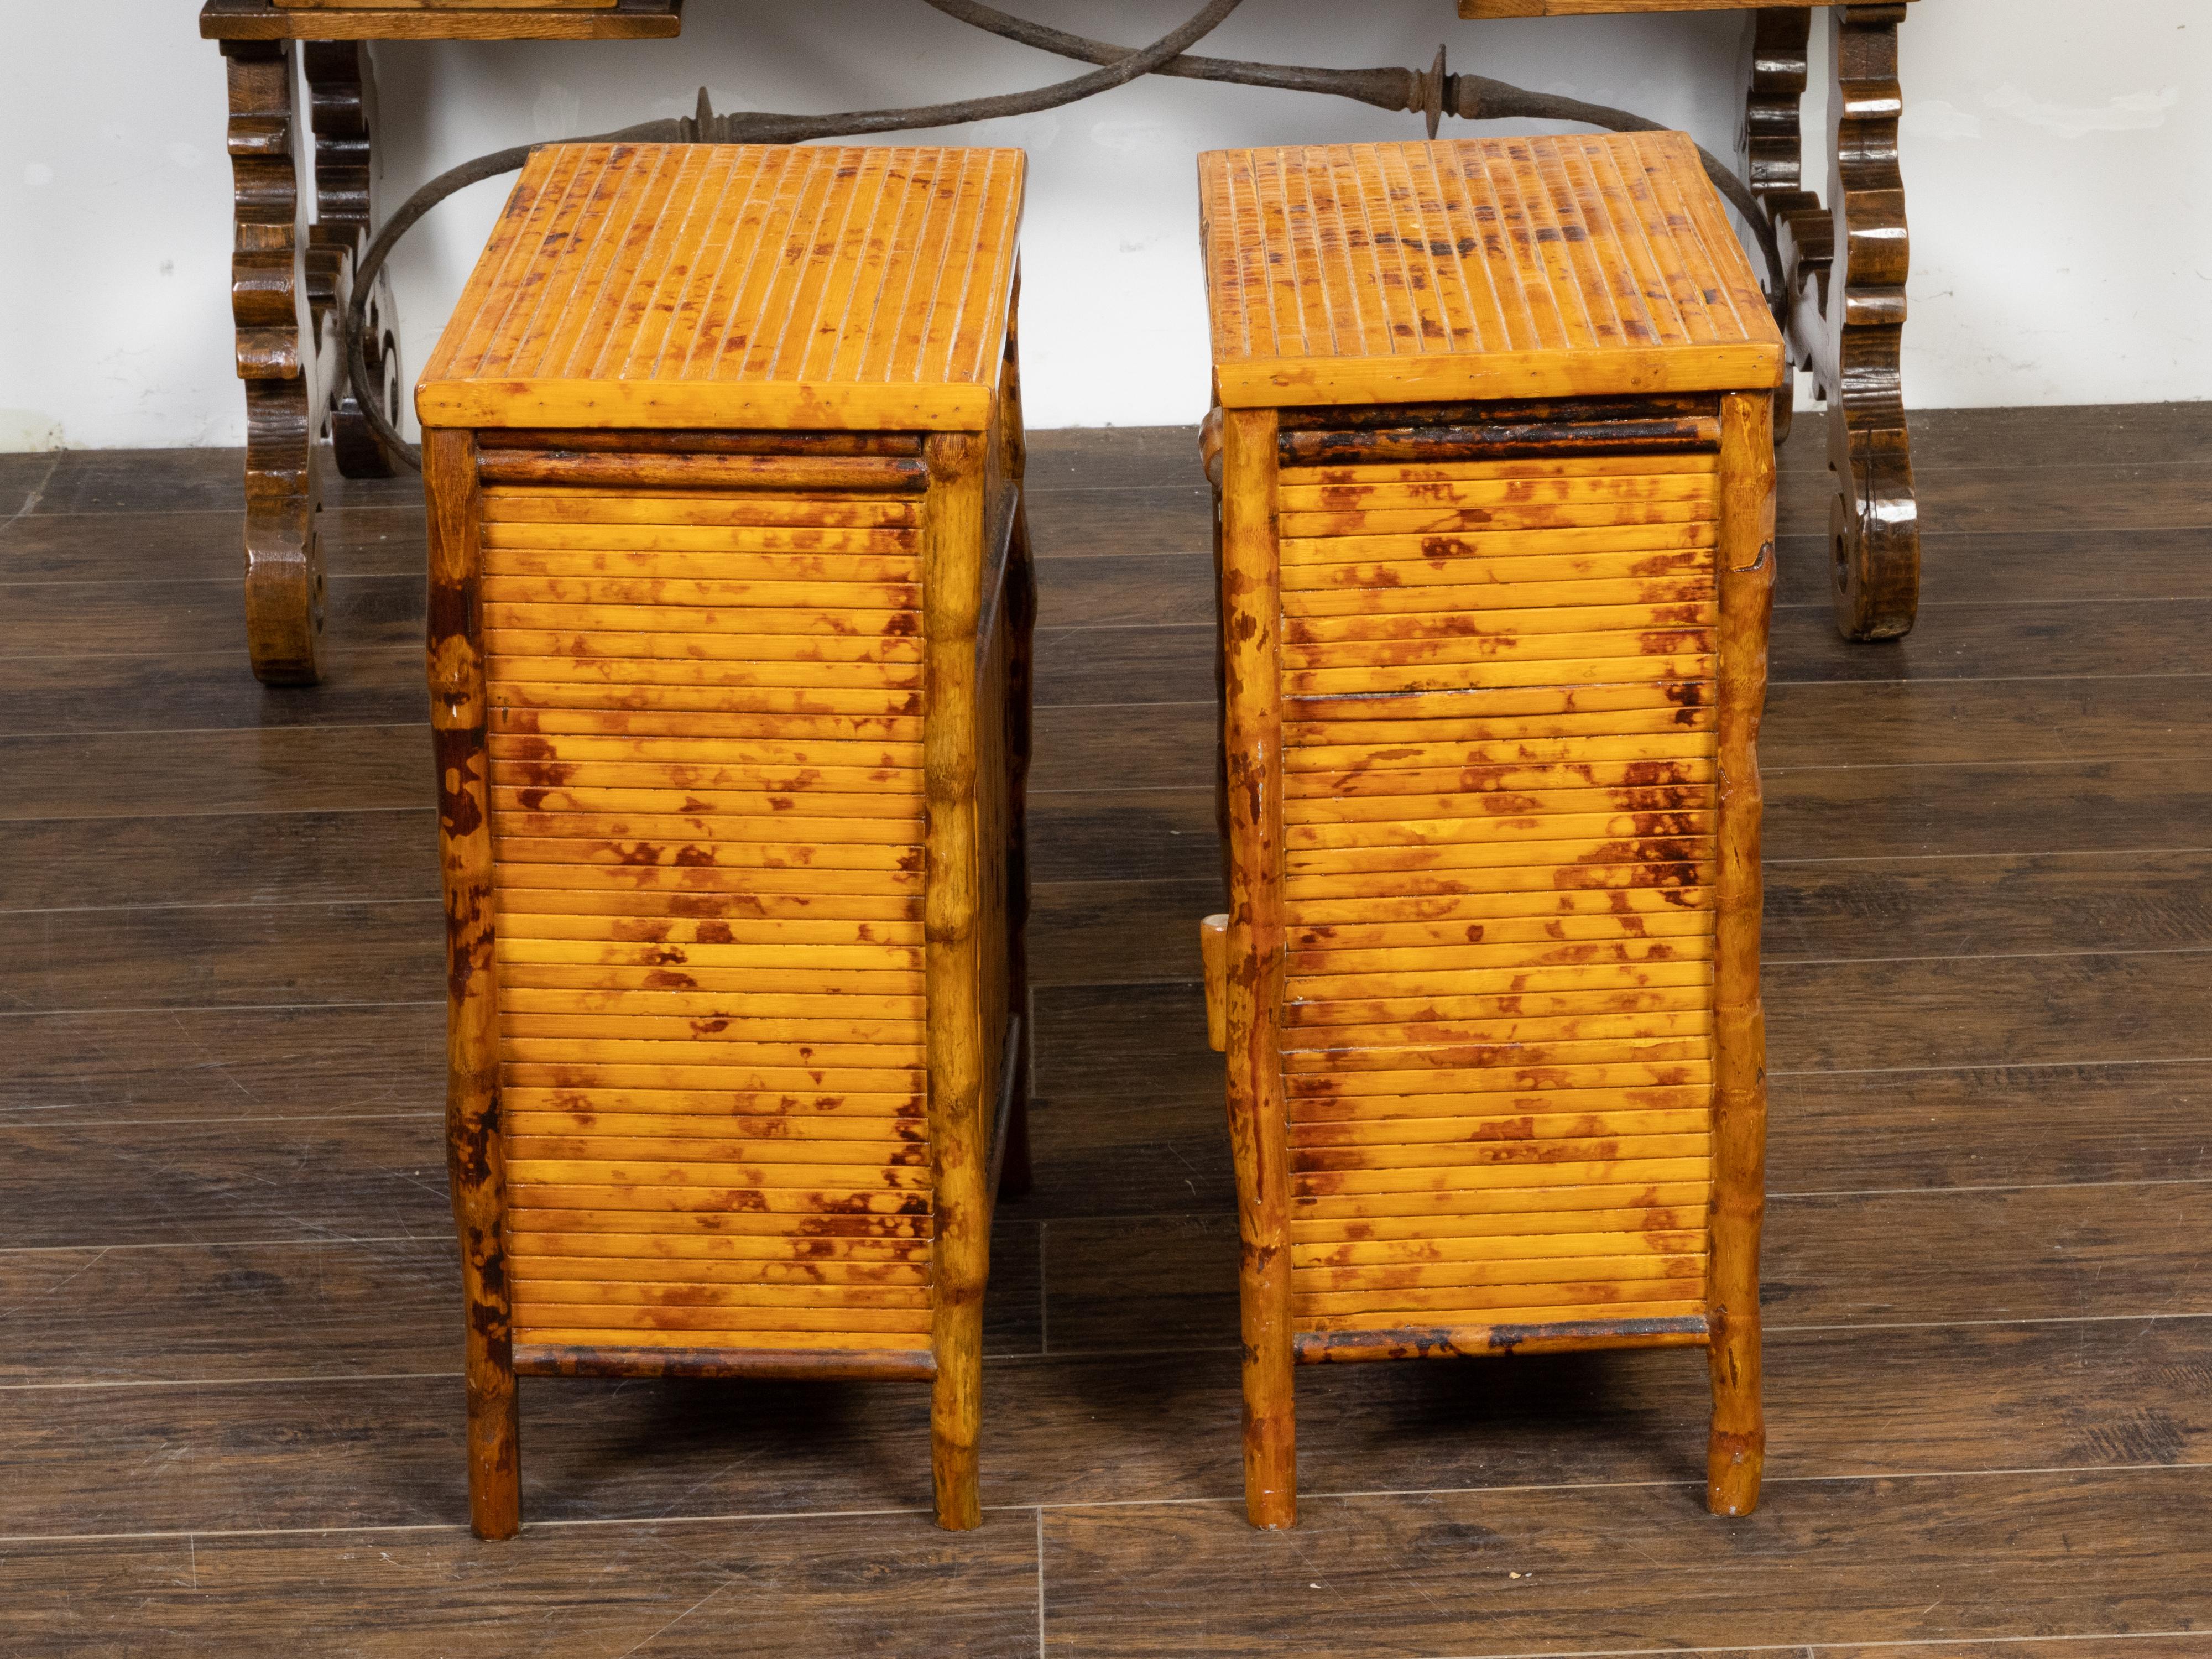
(2056, 156)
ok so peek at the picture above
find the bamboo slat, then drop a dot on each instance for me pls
(669, 1228)
(894, 1283)
(1657, 1206)
(577, 1333)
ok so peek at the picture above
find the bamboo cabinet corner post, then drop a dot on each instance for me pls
(1494, 456)
(1252, 963)
(730, 634)
(1745, 581)
(475, 1162)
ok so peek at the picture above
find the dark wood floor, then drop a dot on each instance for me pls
(230, 1421)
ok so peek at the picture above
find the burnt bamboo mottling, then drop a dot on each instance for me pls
(473, 1152)
(1253, 961)
(730, 640)
(1495, 543)
(953, 556)
(1746, 556)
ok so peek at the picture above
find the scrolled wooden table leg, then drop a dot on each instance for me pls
(276, 359)
(1874, 523)
(341, 90)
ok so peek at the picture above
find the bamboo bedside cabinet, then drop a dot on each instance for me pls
(1496, 476)
(731, 604)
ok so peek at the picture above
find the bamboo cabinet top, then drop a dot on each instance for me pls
(1488, 268)
(738, 285)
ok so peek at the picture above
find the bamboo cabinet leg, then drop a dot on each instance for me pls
(1737, 1451)
(278, 359)
(476, 1161)
(1251, 624)
(953, 524)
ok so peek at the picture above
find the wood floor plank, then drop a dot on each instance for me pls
(1123, 834)
(1134, 1156)
(1150, 663)
(1114, 458)
(46, 620)
(191, 693)
(97, 1317)
(203, 956)
(2041, 566)
(2118, 495)
(247, 858)
(103, 697)
(2058, 436)
(385, 1449)
(1161, 519)
(180, 1065)
(23, 480)
(1905, 723)
(196, 546)
(1831, 1563)
(2020, 1011)
(2162, 636)
(1992, 1125)
(1117, 932)
(194, 480)
(1997, 905)
(146, 480)
(136, 773)
(1125, 590)
(775, 1588)
(269, 1179)
(1141, 746)
(1836, 811)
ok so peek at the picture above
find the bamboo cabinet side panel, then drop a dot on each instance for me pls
(1501, 844)
(704, 727)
